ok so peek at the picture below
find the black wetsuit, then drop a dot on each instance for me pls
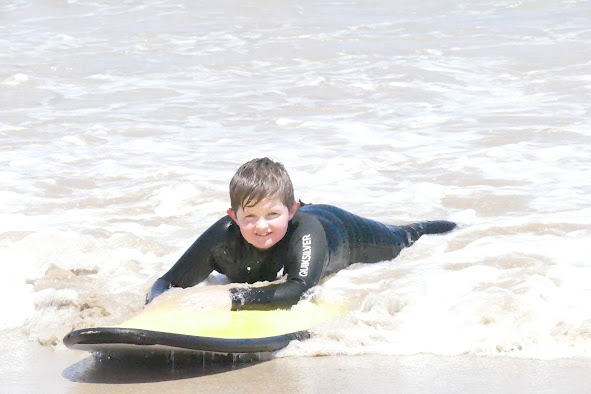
(320, 240)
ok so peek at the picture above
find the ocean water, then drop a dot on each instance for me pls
(122, 122)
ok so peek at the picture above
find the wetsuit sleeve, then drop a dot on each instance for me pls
(159, 287)
(197, 262)
(306, 259)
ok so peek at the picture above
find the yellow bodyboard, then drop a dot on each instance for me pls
(234, 324)
(177, 320)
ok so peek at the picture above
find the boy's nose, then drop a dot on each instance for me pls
(261, 223)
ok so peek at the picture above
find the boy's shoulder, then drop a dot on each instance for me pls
(321, 209)
(223, 231)
(319, 213)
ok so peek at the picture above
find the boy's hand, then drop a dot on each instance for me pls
(159, 287)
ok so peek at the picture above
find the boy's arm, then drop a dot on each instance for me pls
(159, 287)
(307, 258)
(195, 264)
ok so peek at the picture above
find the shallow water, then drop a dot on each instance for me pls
(121, 124)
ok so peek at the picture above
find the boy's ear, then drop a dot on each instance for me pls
(232, 214)
(294, 209)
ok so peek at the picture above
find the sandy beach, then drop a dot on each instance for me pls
(39, 369)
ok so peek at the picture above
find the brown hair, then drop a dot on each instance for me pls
(257, 179)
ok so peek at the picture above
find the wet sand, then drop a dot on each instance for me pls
(39, 369)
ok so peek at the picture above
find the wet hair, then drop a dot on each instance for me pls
(258, 179)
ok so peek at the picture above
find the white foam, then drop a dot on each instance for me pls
(16, 79)
(176, 200)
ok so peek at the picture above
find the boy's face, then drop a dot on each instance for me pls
(264, 224)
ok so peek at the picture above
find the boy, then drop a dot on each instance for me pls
(267, 231)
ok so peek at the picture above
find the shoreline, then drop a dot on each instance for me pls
(38, 368)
